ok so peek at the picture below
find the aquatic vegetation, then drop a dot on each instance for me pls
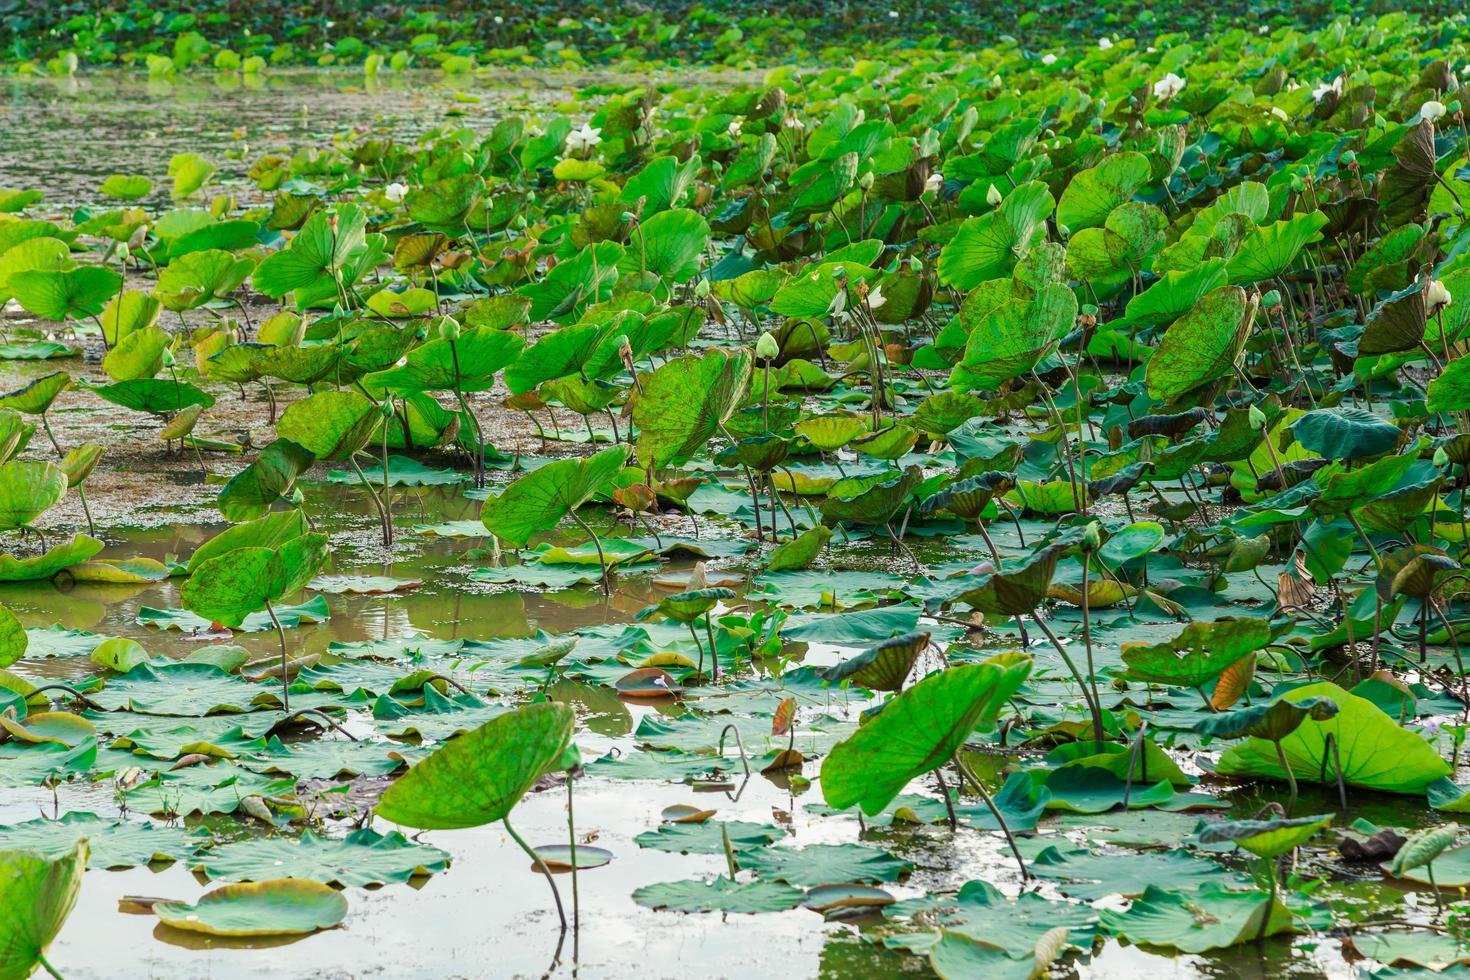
(987, 484)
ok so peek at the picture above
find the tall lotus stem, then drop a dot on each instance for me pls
(540, 866)
(285, 677)
(601, 559)
(995, 812)
(1093, 707)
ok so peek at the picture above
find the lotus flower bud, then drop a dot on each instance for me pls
(993, 196)
(167, 357)
(1257, 418)
(1441, 458)
(766, 348)
(1436, 295)
(1431, 110)
(1091, 537)
(866, 181)
(701, 288)
(448, 328)
(1348, 159)
(386, 408)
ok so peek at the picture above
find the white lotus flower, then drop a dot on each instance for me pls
(792, 122)
(838, 306)
(1168, 86)
(893, 15)
(1321, 90)
(1104, 43)
(1280, 113)
(1431, 110)
(933, 182)
(876, 298)
(395, 192)
(734, 128)
(581, 140)
(1048, 59)
(1436, 295)
(993, 196)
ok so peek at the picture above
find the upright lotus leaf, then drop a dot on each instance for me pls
(1269, 251)
(279, 907)
(1265, 838)
(138, 355)
(230, 587)
(1093, 193)
(1212, 918)
(572, 286)
(270, 477)
(158, 396)
(988, 247)
(668, 244)
(918, 731)
(684, 403)
(540, 499)
(1202, 345)
(269, 531)
(13, 638)
(445, 203)
(467, 363)
(36, 397)
(1017, 591)
(884, 667)
(317, 254)
(1343, 433)
(190, 281)
(479, 777)
(556, 355)
(1373, 750)
(1010, 341)
(28, 488)
(1271, 720)
(37, 894)
(870, 499)
(1198, 654)
(331, 425)
(71, 295)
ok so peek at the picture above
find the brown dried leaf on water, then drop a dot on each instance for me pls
(785, 715)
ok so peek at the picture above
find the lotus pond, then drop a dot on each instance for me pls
(560, 498)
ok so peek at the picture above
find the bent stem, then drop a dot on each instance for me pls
(1290, 777)
(281, 634)
(46, 965)
(82, 495)
(601, 560)
(994, 811)
(383, 518)
(697, 645)
(1092, 705)
(540, 866)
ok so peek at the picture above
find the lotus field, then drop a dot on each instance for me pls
(734, 491)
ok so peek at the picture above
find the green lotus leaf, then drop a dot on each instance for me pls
(1270, 251)
(270, 477)
(1265, 838)
(1211, 918)
(871, 499)
(1271, 720)
(918, 731)
(39, 893)
(884, 667)
(230, 587)
(539, 500)
(331, 425)
(155, 395)
(37, 567)
(478, 778)
(316, 255)
(988, 247)
(1015, 591)
(1345, 433)
(128, 311)
(1093, 193)
(669, 244)
(362, 858)
(1011, 340)
(1202, 345)
(278, 907)
(1200, 652)
(824, 864)
(28, 488)
(466, 364)
(199, 277)
(138, 355)
(1374, 752)
(13, 638)
(800, 551)
(73, 294)
(719, 895)
(684, 403)
(36, 397)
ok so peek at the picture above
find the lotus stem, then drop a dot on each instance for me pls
(281, 633)
(994, 551)
(697, 645)
(1290, 777)
(995, 812)
(714, 651)
(601, 559)
(1087, 641)
(1093, 707)
(948, 803)
(383, 518)
(82, 495)
(46, 965)
(46, 424)
(1135, 756)
(540, 866)
(1270, 899)
(739, 743)
(572, 847)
